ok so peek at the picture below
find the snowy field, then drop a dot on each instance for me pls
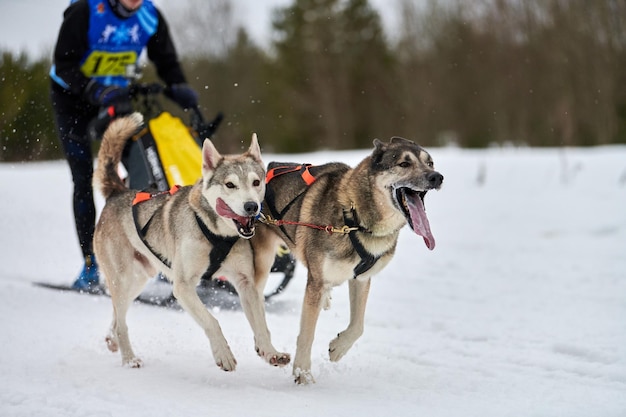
(519, 311)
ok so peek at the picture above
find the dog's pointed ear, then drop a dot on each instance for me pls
(378, 145)
(210, 156)
(398, 139)
(255, 150)
(379, 150)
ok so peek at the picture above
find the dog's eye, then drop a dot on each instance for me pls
(430, 164)
(256, 183)
(230, 185)
(404, 164)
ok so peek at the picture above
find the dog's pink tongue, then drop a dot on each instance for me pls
(225, 211)
(420, 221)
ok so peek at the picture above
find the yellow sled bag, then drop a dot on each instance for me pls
(163, 154)
(181, 156)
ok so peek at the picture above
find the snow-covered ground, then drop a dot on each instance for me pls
(519, 311)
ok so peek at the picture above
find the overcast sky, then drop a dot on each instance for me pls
(32, 25)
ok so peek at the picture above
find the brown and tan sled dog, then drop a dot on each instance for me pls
(343, 225)
(182, 233)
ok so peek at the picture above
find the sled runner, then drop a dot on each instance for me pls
(94, 290)
(214, 296)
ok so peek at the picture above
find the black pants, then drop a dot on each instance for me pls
(72, 115)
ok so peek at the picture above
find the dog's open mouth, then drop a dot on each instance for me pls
(243, 224)
(411, 202)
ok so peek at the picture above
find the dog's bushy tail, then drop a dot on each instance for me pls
(106, 177)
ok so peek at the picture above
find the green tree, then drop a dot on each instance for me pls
(331, 58)
(238, 85)
(538, 72)
(368, 67)
(26, 124)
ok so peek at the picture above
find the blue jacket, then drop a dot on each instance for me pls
(95, 43)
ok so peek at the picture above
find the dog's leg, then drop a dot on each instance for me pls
(125, 284)
(118, 336)
(340, 345)
(308, 321)
(185, 293)
(252, 302)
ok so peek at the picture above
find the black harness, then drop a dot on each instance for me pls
(221, 248)
(221, 244)
(368, 260)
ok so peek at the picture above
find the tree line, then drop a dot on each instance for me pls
(470, 73)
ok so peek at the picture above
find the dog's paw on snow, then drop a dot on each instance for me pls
(303, 377)
(133, 363)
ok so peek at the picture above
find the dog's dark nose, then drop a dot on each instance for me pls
(251, 208)
(434, 179)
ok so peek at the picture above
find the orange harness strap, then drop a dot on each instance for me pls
(305, 173)
(142, 196)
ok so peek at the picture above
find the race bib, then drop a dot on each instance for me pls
(104, 64)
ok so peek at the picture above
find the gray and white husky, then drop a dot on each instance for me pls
(182, 233)
(363, 209)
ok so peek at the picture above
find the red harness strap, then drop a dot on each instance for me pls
(142, 196)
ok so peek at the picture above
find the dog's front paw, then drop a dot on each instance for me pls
(303, 376)
(225, 360)
(338, 348)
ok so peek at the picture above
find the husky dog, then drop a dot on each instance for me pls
(181, 233)
(363, 209)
